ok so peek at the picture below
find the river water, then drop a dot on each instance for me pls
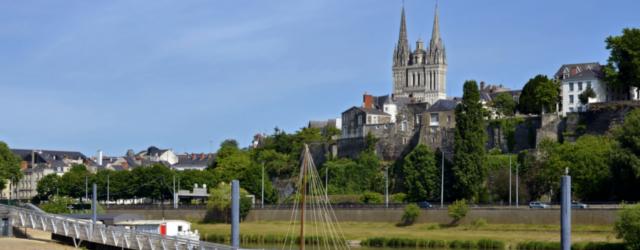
(310, 247)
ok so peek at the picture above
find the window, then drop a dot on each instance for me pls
(570, 98)
(571, 109)
(368, 119)
(435, 119)
(589, 84)
(449, 119)
(179, 228)
(570, 86)
(404, 140)
(403, 126)
(579, 86)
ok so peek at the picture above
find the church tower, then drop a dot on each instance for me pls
(420, 74)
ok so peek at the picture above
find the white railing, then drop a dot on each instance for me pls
(83, 230)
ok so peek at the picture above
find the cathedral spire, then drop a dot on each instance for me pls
(402, 50)
(436, 47)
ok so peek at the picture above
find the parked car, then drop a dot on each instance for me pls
(538, 204)
(424, 204)
(579, 205)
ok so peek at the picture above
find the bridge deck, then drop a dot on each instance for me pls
(83, 230)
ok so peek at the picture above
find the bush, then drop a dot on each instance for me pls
(458, 210)
(371, 198)
(488, 244)
(58, 205)
(598, 246)
(538, 245)
(627, 226)
(219, 204)
(478, 223)
(411, 213)
(398, 197)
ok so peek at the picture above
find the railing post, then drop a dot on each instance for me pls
(235, 214)
(565, 214)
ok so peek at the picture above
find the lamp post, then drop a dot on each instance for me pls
(442, 181)
(509, 180)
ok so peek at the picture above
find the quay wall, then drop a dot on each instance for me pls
(492, 216)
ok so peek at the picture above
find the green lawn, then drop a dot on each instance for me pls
(509, 233)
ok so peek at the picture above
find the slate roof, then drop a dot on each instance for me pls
(443, 105)
(585, 75)
(317, 124)
(584, 67)
(48, 155)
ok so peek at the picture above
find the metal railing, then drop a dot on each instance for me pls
(83, 230)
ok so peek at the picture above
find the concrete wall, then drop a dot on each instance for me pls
(494, 216)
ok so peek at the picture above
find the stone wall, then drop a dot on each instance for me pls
(492, 215)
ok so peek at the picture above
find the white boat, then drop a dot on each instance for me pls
(179, 228)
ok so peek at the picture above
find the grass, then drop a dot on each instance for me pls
(510, 234)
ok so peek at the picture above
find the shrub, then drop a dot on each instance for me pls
(371, 198)
(478, 223)
(58, 205)
(488, 244)
(627, 226)
(398, 197)
(538, 245)
(458, 210)
(411, 213)
(598, 246)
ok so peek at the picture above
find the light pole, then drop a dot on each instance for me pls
(517, 181)
(262, 192)
(326, 181)
(107, 190)
(509, 179)
(442, 181)
(86, 188)
(386, 186)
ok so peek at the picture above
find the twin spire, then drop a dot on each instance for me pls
(435, 53)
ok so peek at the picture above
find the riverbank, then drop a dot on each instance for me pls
(510, 234)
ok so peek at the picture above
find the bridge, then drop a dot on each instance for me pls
(80, 231)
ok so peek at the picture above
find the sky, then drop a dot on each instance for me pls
(115, 75)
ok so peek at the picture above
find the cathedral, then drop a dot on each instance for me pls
(420, 74)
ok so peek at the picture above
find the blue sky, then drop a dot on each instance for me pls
(113, 75)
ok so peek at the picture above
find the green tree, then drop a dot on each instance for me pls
(457, 211)
(627, 226)
(219, 203)
(626, 157)
(58, 205)
(586, 94)
(469, 142)
(9, 165)
(410, 215)
(73, 182)
(504, 104)
(623, 67)
(48, 186)
(421, 175)
(537, 94)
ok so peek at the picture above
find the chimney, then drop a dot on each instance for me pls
(99, 158)
(367, 100)
(481, 85)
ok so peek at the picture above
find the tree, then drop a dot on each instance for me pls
(627, 226)
(73, 182)
(58, 205)
(539, 93)
(504, 104)
(9, 165)
(626, 157)
(47, 187)
(421, 175)
(469, 142)
(586, 94)
(411, 213)
(219, 203)
(457, 211)
(623, 67)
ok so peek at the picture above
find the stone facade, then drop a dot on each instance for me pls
(420, 74)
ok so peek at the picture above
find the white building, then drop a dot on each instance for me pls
(576, 78)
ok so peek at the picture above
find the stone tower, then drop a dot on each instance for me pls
(422, 73)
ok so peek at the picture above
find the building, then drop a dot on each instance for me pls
(193, 161)
(420, 74)
(439, 125)
(156, 155)
(37, 164)
(576, 78)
